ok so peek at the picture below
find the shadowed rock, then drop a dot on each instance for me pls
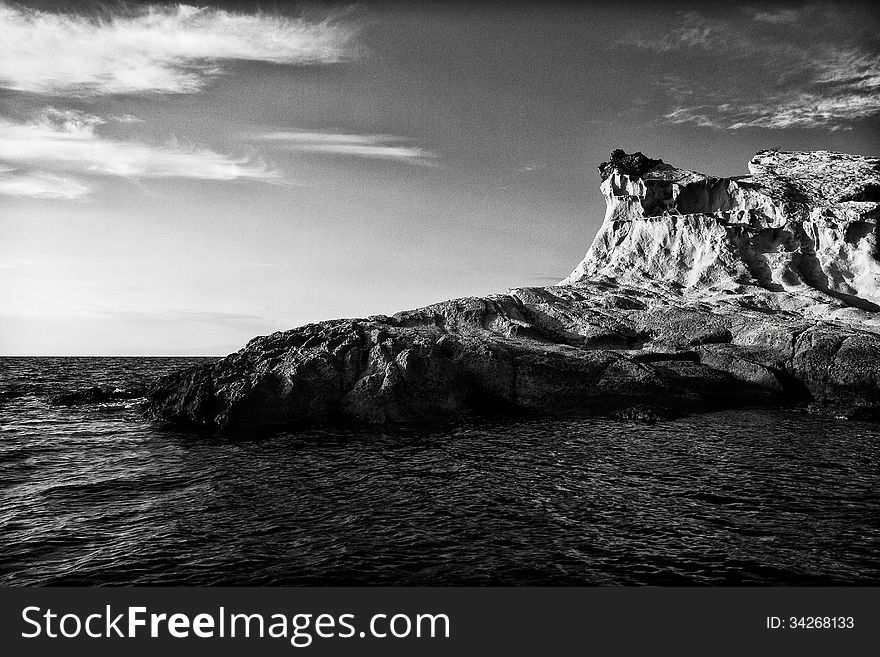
(645, 414)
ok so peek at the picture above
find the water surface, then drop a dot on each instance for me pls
(93, 494)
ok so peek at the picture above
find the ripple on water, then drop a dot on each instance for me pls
(94, 495)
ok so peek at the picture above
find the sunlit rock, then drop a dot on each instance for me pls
(801, 222)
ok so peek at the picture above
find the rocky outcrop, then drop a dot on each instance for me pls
(698, 292)
(801, 222)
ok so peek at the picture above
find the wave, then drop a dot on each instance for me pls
(95, 395)
(14, 391)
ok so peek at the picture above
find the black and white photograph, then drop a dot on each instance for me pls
(439, 294)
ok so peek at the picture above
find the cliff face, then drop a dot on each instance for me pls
(698, 292)
(802, 223)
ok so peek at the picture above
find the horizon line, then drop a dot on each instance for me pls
(115, 355)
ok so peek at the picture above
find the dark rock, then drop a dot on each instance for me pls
(840, 367)
(646, 414)
(634, 164)
(455, 358)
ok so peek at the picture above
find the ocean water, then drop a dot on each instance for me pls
(93, 494)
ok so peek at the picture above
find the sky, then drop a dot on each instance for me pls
(179, 179)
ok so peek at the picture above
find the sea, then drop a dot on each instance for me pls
(91, 493)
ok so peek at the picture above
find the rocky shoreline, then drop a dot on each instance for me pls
(698, 293)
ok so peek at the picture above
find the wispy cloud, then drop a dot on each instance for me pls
(164, 315)
(692, 31)
(127, 118)
(38, 157)
(384, 147)
(778, 16)
(41, 185)
(129, 315)
(170, 49)
(814, 66)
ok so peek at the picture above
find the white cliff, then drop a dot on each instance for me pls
(803, 223)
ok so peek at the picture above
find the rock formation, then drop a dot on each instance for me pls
(698, 292)
(802, 222)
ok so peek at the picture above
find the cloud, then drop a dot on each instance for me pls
(134, 315)
(779, 16)
(811, 67)
(531, 166)
(127, 118)
(41, 185)
(36, 158)
(692, 115)
(168, 49)
(177, 315)
(384, 147)
(811, 111)
(692, 31)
